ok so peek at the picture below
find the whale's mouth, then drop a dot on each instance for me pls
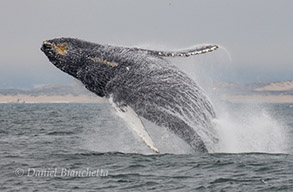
(47, 47)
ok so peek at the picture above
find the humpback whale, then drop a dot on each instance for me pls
(141, 83)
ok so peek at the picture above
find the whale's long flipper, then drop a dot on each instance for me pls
(135, 124)
(185, 53)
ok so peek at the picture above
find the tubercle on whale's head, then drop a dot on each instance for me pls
(68, 54)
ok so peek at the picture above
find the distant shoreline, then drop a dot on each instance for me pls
(50, 99)
(259, 98)
(21, 98)
(258, 92)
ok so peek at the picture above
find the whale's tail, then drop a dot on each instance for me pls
(185, 53)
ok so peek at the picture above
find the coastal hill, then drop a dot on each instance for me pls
(258, 92)
(49, 90)
(267, 92)
(278, 86)
(49, 94)
(265, 88)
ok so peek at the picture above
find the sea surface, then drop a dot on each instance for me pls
(84, 147)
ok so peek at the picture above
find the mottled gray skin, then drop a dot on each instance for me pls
(141, 79)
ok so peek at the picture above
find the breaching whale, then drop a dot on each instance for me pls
(141, 83)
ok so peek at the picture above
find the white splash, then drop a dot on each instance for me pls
(250, 131)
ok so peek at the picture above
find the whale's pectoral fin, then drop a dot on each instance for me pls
(185, 53)
(135, 124)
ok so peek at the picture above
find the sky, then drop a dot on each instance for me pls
(255, 36)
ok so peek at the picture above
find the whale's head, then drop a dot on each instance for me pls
(82, 60)
(68, 54)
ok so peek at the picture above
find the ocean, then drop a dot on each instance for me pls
(84, 147)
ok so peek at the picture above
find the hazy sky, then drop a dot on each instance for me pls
(258, 34)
